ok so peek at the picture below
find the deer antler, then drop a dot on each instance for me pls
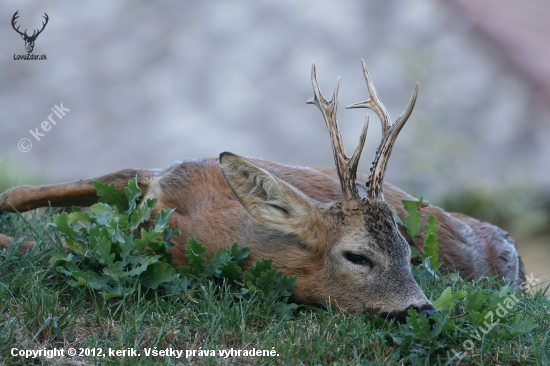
(43, 25)
(34, 34)
(345, 166)
(389, 134)
(13, 21)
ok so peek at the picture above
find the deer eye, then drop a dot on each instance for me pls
(357, 259)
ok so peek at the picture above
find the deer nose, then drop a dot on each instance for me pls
(427, 310)
(401, 316)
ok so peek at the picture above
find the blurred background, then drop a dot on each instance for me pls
(148, 83)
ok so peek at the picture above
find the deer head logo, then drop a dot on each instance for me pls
(29, 40)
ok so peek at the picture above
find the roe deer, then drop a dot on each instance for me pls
(337, 236)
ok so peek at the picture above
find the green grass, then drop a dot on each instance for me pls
(40, 310)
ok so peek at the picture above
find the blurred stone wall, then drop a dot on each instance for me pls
(148, 83)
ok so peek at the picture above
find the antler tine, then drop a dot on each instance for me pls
(14, 20)
(373, 103)
(354, 160)
(345, 166)
(389, 134)
(44, 24)
(407, 112)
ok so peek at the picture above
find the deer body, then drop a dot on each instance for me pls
(337, 236)
(207, 208)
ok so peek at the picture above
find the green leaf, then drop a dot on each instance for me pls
(76, 246)
(132, 193)
(60, 258)
(146, 238)
(447, 299)
(215, 261)
(475, 301)
(103, 209)
(168, 235)
(178, 285)
(115, 291)
(109, 195)
(412, 220)
(162, 218)
(91, 279)
(231, 271)
(117, 234)
(266, 278)
(142, 213)
(104, 251)
(494, 299)
(504, 291)
(417, 324)
(517, 328)
(260, 267)
(432, 227)
(430, 241)
(284, 310)
(158, 274)
(194, 252)
(77, 216)
(95, 232)
(141, 266)
(285, 285)
(440, 319)
(63, 224)
(249, 288)
(240, 254)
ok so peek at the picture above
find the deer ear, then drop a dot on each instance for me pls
(268, 199)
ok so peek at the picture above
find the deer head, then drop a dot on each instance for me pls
(29, 40)
(349, 252)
